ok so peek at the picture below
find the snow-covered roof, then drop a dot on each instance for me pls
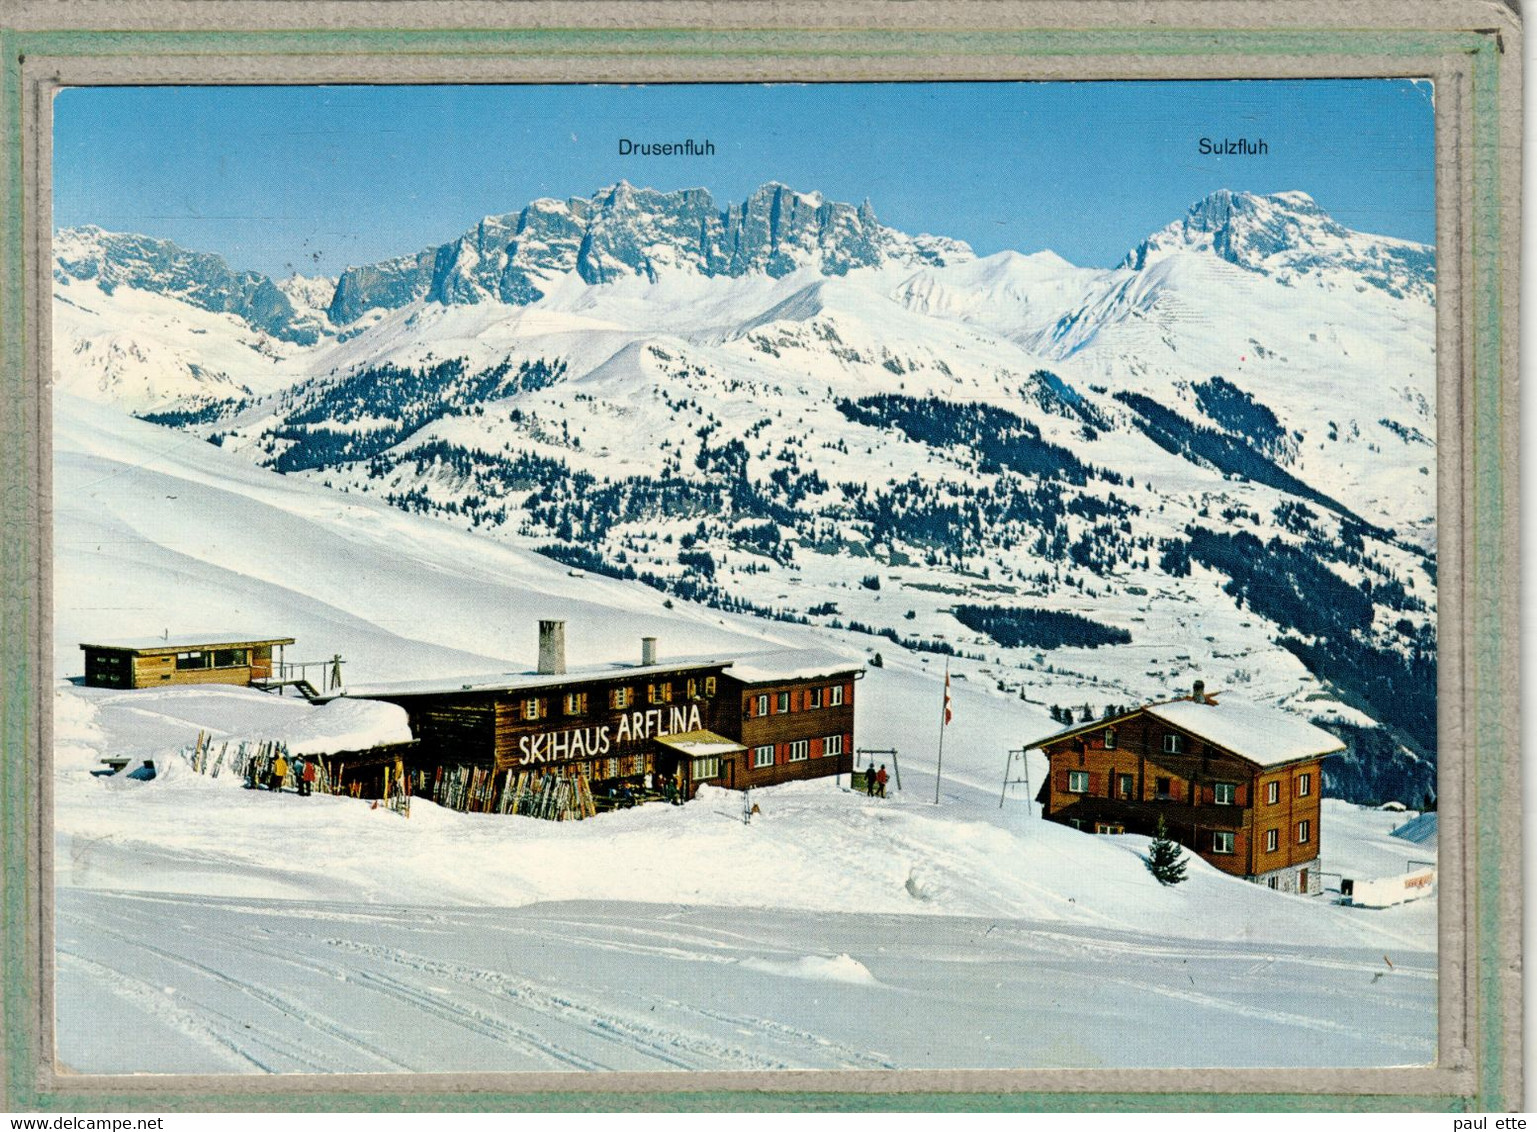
(1263, 735)
(791, 664)
(698, 743)
(180, 641)
(519, 681)
(755, 668)
(1422, 830)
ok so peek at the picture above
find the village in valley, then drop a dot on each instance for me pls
(658, 631)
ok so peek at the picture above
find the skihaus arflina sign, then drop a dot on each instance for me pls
(596, 741)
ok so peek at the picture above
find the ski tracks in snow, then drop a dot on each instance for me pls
(249, 986)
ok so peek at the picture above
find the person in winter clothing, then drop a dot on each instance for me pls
(880, 782)
(279, 772)
(870, 780)
(307, 774)
(250, 773)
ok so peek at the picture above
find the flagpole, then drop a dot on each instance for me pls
(944, 710)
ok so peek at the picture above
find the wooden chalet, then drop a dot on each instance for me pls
(723, 722)
(1237, 784)
(797, 717)
(159, 662)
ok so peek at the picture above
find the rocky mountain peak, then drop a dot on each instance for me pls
(624, 231)
(201, 279)
(1288, 236)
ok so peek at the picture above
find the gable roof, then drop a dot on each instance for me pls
(1265, 736)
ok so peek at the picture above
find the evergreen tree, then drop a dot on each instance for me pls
(1165, 859)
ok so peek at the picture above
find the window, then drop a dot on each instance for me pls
(782, 702)
(1274, 882)
(620, 698)
(1273, 793)
(230, 658)
(1304, 832)
(190, 660)
(1226, 794)
(763, 756)
(1163, 789)
(693, 689)
(709, 686)
(762, 708)
(1110, 738)
(813, 697)
(835, 695)
(832, 745)
(659, 693)
(708, 767)
(800, 750)
(531, 709)
(1077, 782)
(1222, 841)
(1108, 827)
(1126, 785)
(1304, 785)
(1171, 744)
(576, 703)
(1272, 840)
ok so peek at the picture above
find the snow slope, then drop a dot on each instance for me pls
(205, 928)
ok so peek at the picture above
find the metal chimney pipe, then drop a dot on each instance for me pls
(1198, 694)
(552, 648)
(648, 650)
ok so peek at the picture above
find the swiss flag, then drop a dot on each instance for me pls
(948, 712)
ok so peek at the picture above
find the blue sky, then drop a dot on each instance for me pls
(314, 179)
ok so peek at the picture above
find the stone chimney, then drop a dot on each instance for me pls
(1198, 693)
(648, 650)
(552, 648)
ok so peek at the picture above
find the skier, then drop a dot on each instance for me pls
(307, 774)
(279, 772)
(880, 782)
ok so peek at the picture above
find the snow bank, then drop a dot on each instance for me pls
(838, 968)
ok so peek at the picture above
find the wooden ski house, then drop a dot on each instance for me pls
(636, 727)
(1238, 784)
(158, 662)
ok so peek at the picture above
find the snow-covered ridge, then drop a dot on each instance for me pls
(1286, 235)
(623, 231)
(200, 279)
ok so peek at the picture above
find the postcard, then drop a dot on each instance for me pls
(683, 578)
(592, 566)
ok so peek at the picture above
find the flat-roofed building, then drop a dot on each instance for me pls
(159, 662)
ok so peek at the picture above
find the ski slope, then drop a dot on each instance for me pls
(205, 928)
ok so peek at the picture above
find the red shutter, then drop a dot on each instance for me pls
(781, 753)
(816, 748)
(795, 699)
(848, 692)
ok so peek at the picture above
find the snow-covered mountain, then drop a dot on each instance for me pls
(1288, 237)
(1215, 460)
(200, 279)
(319, 935)
(623, 231)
